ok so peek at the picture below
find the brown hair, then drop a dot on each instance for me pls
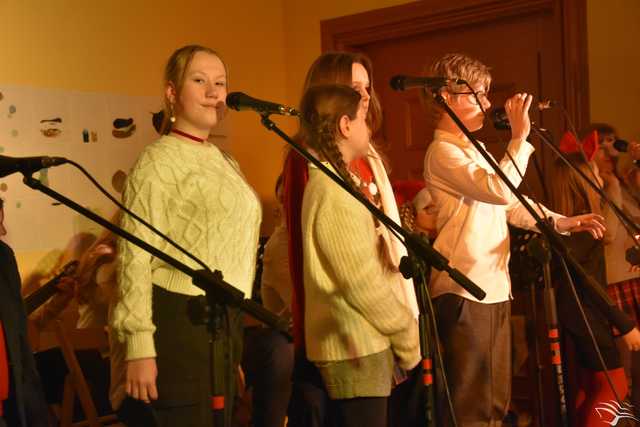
(570, 194)
(174, 72)
(335, 68)
(455, 66)
(602, 129)
(321, 109)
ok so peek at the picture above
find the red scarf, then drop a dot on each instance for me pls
(294, 179)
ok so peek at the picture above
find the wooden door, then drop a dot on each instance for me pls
(537, 46)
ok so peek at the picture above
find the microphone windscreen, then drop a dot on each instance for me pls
(236, 100)
(621, 145)
(499, 119)
(397, 83)
(632, 256)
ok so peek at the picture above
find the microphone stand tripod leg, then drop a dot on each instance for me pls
(220, 366)
(542, 252)
(420, 273)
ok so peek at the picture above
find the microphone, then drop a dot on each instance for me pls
(621, 145)
(632, 256)
(501, 121)
(401, 82)
(241, 101)
(27, 165)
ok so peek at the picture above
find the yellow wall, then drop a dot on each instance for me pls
(121, 46)
(614, 64)
(302, 23)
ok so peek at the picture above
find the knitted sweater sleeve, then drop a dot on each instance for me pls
(147, 196)
(346, 239)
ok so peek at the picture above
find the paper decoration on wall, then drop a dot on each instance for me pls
(51, 128)
(89, 136)
(33, 222)
(117, 180)
(123, 128)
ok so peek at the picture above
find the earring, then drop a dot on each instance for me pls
(172, 118)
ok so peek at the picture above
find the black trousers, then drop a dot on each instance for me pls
(267, 362)
(310, 404)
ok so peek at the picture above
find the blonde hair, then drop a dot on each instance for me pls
(174, 73)
(570, 194)
(454, 66)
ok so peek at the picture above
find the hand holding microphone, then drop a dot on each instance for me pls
(632, 148)
(501, 120)
(517, 110)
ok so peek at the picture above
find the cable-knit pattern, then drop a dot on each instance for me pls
(197, 196)
(351, 306)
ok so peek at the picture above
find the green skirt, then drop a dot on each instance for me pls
(368, 376)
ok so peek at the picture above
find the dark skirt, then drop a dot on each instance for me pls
(183, 361)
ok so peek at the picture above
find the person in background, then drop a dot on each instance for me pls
(618, 174)
(417, 210)
(267, 359)
(22, 402)
(571, 195)
(92, 286)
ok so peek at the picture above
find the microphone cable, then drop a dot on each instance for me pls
(136, 217)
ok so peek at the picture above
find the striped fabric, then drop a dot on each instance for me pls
(626, 296)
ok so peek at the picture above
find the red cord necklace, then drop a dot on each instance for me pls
(187, 135)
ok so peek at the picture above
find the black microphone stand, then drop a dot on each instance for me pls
(539, 249)
(422, 256)
(412, 267)
(218, 294)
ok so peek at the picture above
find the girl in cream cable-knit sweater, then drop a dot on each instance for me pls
(355, 325)
(193, 192)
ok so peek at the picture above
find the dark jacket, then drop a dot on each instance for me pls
(589, 253)
(26, 405)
